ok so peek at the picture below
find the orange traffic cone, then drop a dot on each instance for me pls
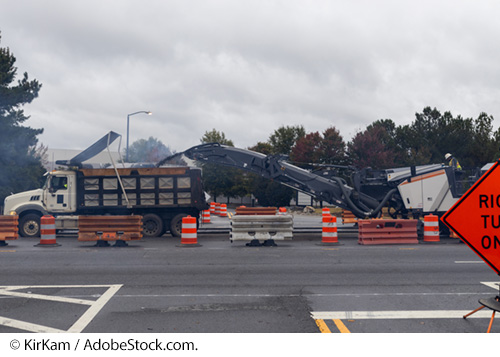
(189, 233)
(47, 232)
(431, 228)
(329, 234)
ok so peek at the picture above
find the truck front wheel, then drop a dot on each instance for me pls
(152, 225)
(29, 225)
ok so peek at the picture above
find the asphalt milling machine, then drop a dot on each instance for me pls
(407, 191)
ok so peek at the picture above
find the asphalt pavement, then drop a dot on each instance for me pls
(299, 286)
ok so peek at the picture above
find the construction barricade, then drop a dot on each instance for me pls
(8, 229)
(103, 229)
(212, 207)
(431, 228)
(348, 217)
(256, 228)
(387, 231)
(47, 232)
(189, 232)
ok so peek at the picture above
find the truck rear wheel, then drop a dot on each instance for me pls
(152, 225)
(176, 225)
(29, 225)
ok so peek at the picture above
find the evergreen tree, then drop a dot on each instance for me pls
(20, 166)
(432, 134)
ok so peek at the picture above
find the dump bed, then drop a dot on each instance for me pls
(143, 187)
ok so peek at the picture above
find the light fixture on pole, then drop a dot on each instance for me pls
(128, 120)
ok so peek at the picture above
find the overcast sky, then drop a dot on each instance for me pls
(246, 68)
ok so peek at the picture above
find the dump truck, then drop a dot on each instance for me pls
(161, 195)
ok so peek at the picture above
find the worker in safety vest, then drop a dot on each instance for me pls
(452, 161)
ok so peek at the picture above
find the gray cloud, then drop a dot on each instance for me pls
(248, 67)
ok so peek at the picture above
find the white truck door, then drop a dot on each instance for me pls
(57, 195)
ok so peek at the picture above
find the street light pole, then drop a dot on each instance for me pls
(128, 120)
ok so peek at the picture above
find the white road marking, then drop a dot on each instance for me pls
(46, 297)
(387, 315)
(94, 309)
(491, 284)
(78, 326)
(410, 314)
(27, 326)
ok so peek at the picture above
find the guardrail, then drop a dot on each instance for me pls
(103, 229)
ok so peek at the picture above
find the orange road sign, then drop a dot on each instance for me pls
(475, 217)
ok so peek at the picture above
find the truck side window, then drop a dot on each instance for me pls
(59, 183)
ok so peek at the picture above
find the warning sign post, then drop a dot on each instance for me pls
(475, 218)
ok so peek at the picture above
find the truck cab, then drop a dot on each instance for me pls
(57, 196)
(59, 192)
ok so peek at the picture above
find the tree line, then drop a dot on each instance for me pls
(382, 144)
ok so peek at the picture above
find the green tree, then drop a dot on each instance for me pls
(284, 138)
(215, 136)
(222, 180)
(432, 134)
(281, 142)
(20, 166)
(484, 146)
(151, 150)
(263, 148)
(268, 192)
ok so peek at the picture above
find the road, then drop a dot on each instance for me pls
(156, 285)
